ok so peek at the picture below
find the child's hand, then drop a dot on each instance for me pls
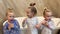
(24, 20)
(45, 23)
(37, 26)
(11, 25)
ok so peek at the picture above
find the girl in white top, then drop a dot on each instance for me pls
(47, 24)
(32, 20)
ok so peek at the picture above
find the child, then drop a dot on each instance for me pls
(31, 21)
(11, 26)
(47, 23)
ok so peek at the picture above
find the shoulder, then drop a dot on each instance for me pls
(6, 24)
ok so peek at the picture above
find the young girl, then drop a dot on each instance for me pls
(47, 23)
(31, 21)
(11, 26)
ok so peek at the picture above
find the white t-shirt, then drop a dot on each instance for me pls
(47, 30)
(31, 23)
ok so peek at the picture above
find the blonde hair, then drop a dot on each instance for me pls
(9, 10)
(46, 10)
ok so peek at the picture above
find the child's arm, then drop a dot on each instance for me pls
(50, 25)
(24, 22)
(45, 23)
(38, 25)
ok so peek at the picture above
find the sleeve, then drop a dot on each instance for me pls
(51, 25)
(5, 29)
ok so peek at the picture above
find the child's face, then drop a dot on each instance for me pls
(29, 13)
(10, 16)
(48, 15)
